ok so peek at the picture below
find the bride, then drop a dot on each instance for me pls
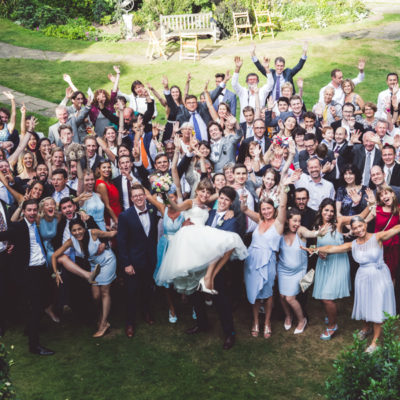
(196, 247)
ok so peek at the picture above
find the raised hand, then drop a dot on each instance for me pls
(116, 69)
(333, 111)
(69, 92)
(326, 168)
(270, 103)
(206, 86)
(324, 230)
(305, 47)
(354, 195)
(370, 196)
(281, 126)
(265, 63)
(297, 174)
(300, 83)
(23, 109)
(9, 95)
(67, 78)
(355, 137)
(149, 86)
(238, 62)
(361, 64)
(175, 128)
(189, 77)
(227, 76)
(177, 142)
(253, 51)
(231, 120)
(111, 77)
(32, 123)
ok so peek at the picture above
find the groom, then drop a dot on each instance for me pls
(137, 246)
(217, 220)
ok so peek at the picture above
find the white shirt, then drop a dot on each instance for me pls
(251, 225)
(3, 245)
(339, 95)
(384, 97)
(4, 194)
(36, 257)
(144, 219)
(57, 196)
(125, 194)
(91, 161)
(73, 183)
(217, 218)
(138, 104)
(318, 190)
(249, 131)
(246, 98)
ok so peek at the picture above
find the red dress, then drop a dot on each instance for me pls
(113, 199)
(391, 252)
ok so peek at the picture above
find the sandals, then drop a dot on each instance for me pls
(267, 332)
(94, 273)
(255, 331)
(328, 333)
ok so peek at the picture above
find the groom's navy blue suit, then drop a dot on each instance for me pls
(221, 301)
(139, 250)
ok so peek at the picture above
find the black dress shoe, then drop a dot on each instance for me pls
(42, 351)
(229, 342)
(194, 329)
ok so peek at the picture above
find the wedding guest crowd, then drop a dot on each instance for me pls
(223, 204)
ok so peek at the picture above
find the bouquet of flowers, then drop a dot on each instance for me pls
(162, 183)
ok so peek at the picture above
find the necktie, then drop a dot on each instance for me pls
(38, 241)
(128, 189)
(388, 178)
(278, 87)
(325, 113)
(143, 153)
(367, 168)
(337, 148)
(196, 127)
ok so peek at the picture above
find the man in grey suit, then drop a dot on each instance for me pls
(67, 119)
(226, 95)
(223, 149)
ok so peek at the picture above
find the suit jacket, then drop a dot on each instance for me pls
(357, 126)
(18, 234)
(57, 240)
(245, 145)
(134, 247)
(288, 73)
(356, 155)
(227, 150)
(230, 225)
(229, 98)
(73, 122)
(184, 115)
(395, 179)
(273, 122)
(97, 161)
(140, 173)
(304, 156)
(51, 190)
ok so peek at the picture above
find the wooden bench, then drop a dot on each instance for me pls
(196, 24)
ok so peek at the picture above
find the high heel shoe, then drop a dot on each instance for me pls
(267, 332)
(288, 326)
(328, 333)
(93, 275)
(52, 316)
(101, 332)
(203, 288)
(255, 331)
(173, 319)
(298, 331)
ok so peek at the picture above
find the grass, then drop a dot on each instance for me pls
(162, 362)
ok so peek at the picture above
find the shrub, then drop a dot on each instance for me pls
(363, 376)
(223, 14)
(6, 389)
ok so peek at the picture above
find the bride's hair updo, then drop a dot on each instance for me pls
(205, 184)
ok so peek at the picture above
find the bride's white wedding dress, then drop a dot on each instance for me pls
(193, 248)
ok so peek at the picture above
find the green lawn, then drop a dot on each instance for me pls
(162, 362)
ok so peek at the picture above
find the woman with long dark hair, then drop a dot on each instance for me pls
(85, 243)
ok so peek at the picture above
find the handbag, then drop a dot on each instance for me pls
(307, 280)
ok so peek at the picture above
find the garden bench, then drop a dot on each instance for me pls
(190, 24)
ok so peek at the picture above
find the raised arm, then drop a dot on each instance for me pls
(157, 95)
(11, 124)
(281, 218)
(187, 86)
(116, 82)
(331, 249)
(68, 79)
(386, 235)
(211, 109)
(153, 200)
(235, 79)
(97, 233)
(174, 168)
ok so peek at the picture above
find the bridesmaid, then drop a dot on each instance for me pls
(172, 222)
(374, 293)
(108, 193)
(93, 205)
(292, 266)
(260, 265)
(332, 273)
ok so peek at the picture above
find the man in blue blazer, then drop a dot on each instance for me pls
(217, 220)
(137, 247)
(280, 73)
(226, 95)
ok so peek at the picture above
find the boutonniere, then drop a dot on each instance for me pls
(220, 222)
(150, 210)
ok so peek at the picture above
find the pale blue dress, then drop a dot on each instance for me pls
(107, 260)
(373, 288)
(332, 275)
(48, 231)
(95, 208)
(260, 265)
(292, 266)
(170, 228)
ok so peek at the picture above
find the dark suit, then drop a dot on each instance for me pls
(243, 127)
(4, 267)
(273, 122)
(97, 161)
(221, 300)
(395, 179)
(139, 250)
(304, 157)
(357, 126)
(245, 145)
(288, 73)
(36, 279)
(356, 155)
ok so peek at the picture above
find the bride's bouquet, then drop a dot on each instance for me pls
(162, 183)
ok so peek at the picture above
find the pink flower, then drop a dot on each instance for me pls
(37, 28)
